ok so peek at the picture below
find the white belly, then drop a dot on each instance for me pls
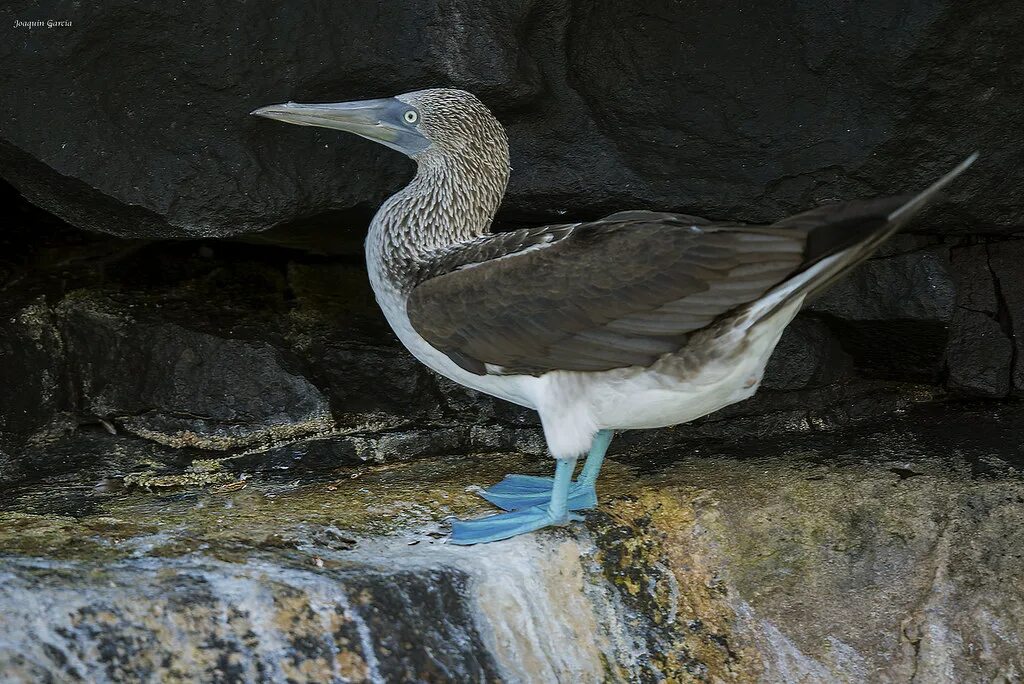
(658, 397)
(574, 405)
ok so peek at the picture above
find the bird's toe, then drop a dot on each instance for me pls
(523, 484)
(506, 525)
(517, 492)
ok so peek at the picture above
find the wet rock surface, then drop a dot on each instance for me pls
(730, 111)
(887, 551)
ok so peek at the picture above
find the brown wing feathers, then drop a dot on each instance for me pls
(625, 290)
(616, 294)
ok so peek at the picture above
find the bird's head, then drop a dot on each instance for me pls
(425, 124)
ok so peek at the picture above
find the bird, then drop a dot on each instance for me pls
(642, 319)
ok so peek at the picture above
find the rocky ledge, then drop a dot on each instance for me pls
(888, 551)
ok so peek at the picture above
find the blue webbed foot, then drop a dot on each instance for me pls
(516, 492)
(536, 502)
(505, 525)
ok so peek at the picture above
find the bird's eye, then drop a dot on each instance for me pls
(411, 117)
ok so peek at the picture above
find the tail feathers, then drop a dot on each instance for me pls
(841, 236)
(874, 230)
(904, 213)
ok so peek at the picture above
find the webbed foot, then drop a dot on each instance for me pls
(517, 492)
(505, 525)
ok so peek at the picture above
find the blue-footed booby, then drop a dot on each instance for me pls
(641, 319)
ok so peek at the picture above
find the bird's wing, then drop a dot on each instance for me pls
(622, 291)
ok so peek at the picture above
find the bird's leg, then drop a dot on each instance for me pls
(555, 511)
(595, 459)
(521, 491)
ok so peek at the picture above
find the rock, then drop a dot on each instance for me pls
(272, 502)
(808, 355)
(793, 577)
(913, 286)
(281, 360)
(979, 355)
(182, 387)
(688, 122)
(1007, 261)
(870, 554)
(893, 313)
(975, 284)
(34, 398)
(372, 380)
(247, 351)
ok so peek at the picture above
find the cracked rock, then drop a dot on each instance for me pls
(183, 387)
(1007, 262)
(979, 356)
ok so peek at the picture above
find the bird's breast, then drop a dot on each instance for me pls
(392, 301)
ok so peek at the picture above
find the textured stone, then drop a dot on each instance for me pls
(1007, 262)
(893, 313)
(227, 348)
(887, 552)
(223, 622)
(180, 386)
(979, 355)
(33, 397)
(975, 283)
(912, 286)
(609, 106)
(269, 355)
(808, 355)
(797, 536)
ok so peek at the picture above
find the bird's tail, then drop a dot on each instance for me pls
(841, 236)
(894, 222)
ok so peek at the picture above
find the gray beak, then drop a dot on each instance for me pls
(378, 120)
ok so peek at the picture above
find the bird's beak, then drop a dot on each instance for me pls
(377, 120)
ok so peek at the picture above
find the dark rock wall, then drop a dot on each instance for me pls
(278, 356)
(134, 122)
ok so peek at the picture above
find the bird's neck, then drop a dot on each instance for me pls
(453, 198)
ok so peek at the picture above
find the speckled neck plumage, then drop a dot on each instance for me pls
(453, 198)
